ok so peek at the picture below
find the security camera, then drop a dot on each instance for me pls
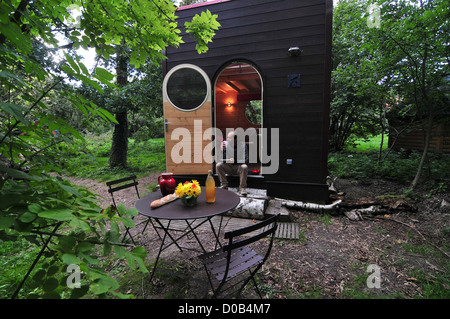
(294, 51)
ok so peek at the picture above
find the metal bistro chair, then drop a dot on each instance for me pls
(236, 262)
(112, 188)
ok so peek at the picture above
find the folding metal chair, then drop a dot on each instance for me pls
(236, 262)
(121, 184)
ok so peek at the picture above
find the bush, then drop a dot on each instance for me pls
(400, 166)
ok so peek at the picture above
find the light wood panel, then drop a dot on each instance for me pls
(186, 149)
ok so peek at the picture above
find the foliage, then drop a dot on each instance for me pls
(401, 166)
(402, 59)
(89, 158)
(400, 62)
(141, 98)
(64, 222)
(356, 94)
(135, 31)
(202, 27)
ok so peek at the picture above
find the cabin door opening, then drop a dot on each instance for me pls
(187, 120)
(239, 104)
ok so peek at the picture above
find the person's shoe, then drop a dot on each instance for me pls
(224, 186)
(243, 191)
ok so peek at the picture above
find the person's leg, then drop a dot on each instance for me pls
(243, 172)
(222, 169)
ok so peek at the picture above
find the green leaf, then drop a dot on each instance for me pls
(106, 284)
(51, 295)
(107, 248)
(130, 260)
(8, 200)
(67, 243)
(18, 174)
(50, 285)
(120, 251)
(122, 209)
(127, 222)
(85, 246)
(70, 259)
(34, 208)
(67, 69)
(83, 68)
(80, 224)
(52, 270)
(39, 275)
(140, 253)
(69, 189)
(7, 76)
(77, 293)
(15, 110)
(90, 82)
(106, 115)
(6, 222)
(90, 259)
(72, 63)
(142, 266)
(59, 214)
(27, 217)
(105, 74)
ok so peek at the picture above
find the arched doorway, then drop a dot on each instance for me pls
(238, 103)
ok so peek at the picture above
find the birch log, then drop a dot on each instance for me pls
(249, 208)
(309, 206)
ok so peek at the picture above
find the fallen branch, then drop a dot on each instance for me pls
(356, 214)
(308, 206)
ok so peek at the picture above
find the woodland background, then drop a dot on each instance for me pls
(60, 118)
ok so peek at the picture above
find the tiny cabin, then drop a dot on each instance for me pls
(266, 75)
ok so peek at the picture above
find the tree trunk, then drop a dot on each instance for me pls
(119, 147)
(383, 128)
(425, 152)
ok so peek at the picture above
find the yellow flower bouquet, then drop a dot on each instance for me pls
(188, 192)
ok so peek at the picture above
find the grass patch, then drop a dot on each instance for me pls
(90, 159)
(435, 285)
(15, 260)
(139, 285)
(368, 145)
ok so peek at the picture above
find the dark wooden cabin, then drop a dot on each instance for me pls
(268, 68)
(409, 137)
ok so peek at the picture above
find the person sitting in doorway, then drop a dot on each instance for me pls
(235, 160)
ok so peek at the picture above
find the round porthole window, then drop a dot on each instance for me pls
(186, 89)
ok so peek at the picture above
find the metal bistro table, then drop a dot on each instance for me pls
(225, 201)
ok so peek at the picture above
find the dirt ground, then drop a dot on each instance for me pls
(333, 257)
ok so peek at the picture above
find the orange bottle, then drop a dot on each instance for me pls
(210, 186)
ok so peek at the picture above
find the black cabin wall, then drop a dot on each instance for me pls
(262, 31)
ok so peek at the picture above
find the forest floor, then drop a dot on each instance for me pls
(334, 258)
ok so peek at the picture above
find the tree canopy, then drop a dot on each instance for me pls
(65, 221)
(393, 63)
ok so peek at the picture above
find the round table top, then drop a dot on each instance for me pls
(225, 201)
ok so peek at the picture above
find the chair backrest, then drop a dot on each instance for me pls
(231, 235)
(122, 183)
